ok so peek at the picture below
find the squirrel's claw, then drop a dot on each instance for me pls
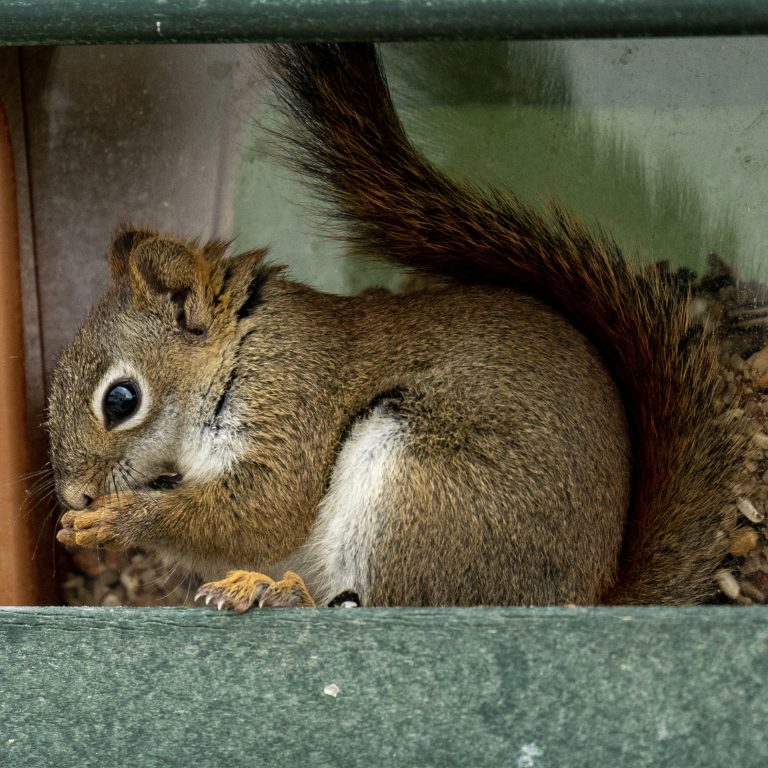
(241, 590)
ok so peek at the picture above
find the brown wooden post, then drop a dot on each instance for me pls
(18, 578)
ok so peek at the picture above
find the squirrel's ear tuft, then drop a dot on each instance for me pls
(245, 275)
(125, 240)
(164, 272)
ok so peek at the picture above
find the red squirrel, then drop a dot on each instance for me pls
(542, 428)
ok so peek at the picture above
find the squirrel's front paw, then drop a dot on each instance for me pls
(241, 590)
(95, 526)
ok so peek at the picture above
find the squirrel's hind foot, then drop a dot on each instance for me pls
(241, 590)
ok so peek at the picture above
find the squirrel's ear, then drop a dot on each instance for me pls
(162, 269)
(125, 240)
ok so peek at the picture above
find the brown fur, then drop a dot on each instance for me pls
(510, 483)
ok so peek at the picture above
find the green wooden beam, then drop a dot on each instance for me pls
(117, 21)
(401, 687)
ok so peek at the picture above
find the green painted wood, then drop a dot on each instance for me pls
(471, 687)
(118, 21)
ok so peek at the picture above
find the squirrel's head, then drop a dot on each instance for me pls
(149, 366)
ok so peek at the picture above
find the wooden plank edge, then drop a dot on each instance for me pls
(41, 22)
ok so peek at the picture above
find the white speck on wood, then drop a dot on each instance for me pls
(331, 690)
(527, 756)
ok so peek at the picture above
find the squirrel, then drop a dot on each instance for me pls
(542, 428)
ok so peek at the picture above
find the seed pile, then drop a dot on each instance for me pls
(134, 578)
(741, 313)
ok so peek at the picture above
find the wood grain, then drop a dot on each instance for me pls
(42, 22)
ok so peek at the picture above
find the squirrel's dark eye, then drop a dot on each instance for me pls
(120, 402)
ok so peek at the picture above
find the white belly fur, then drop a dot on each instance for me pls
(339, 548)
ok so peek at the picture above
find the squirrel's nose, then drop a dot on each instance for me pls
(75, 499)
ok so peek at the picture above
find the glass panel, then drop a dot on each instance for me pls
(661, 141)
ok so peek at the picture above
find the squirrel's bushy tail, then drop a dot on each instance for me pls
(400, 208)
